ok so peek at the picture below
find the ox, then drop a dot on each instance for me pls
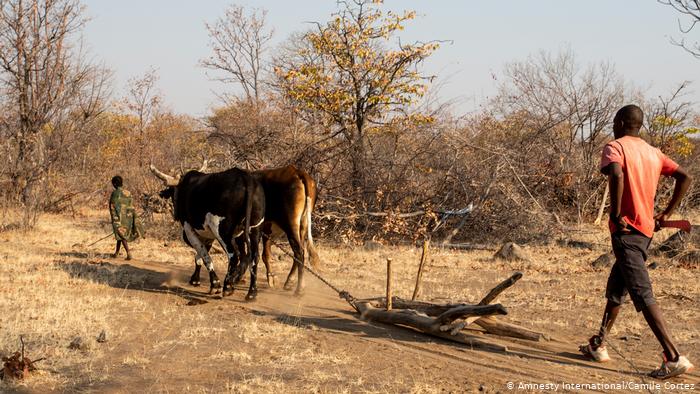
(290, 196)
(220, 206)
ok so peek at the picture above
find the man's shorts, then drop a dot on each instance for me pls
(629, 274)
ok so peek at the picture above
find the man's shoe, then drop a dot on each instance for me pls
(670, 369)
(599, 354)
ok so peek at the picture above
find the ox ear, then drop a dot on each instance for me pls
(167, 193)
(167, 179)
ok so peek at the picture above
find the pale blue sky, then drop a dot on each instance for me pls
(131, 36)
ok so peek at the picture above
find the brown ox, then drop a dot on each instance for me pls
(290, 196)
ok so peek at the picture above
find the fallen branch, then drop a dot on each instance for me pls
(429, 325)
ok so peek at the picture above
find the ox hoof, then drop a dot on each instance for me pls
(271, 282)
(251, 296)
(288, 286)
(215, 287)
(226, 293)
(299, 293)
(195, 283)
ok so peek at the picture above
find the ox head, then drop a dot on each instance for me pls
(171, 182)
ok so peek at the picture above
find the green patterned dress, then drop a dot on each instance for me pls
(125, 223)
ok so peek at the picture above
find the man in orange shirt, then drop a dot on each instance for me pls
(633, 168)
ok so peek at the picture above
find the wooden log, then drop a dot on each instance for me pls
(465, 311)
(500, 288)
(496, 327)
(425, 324)
(421, 266)
(427, 308)
(388, 284)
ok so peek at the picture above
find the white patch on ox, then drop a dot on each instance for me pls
(241, 230)
(212, 223)
(193, 238)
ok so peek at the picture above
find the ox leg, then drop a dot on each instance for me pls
(254, 257)
(266, 254)
(233, 267)
(195, 278)
(203, 253)
(298, 266)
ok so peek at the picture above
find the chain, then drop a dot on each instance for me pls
(342, 293)
(619, 353)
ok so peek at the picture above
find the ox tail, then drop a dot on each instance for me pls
(305, 225)
(249, 195)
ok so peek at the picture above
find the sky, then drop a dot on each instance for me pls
(133, 36)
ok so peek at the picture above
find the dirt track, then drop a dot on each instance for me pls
(166, 336)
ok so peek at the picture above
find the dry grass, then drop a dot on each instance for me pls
(55, 289)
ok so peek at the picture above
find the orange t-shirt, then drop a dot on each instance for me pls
(642, 164)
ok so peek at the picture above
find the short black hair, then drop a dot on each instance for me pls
(117, 181)
(632, 117)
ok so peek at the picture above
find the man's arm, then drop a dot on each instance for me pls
(683, 180)
(616, 183)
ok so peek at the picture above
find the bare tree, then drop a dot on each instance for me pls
(239, 41)
(561, 113)
(50, 90)
(143, 100)
(669, 122)
(691, 9)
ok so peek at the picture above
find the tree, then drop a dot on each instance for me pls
(669, 123)
(239, 40)
(558, 116)
(51, 92)
(344, 74)
(691, 9)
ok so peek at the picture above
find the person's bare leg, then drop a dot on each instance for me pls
(612, 309)
(126, 247)
(116, 251)
(654, 317)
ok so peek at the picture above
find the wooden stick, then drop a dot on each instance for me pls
(419, 277)
(388, 284)
(500, 288)
(497, 327)
(423, 324)
(601, 209)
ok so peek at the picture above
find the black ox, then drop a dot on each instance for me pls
(220, 207)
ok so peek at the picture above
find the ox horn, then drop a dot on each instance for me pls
(169, 180)
(204, 166)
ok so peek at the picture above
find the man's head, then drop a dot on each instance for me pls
(117, 181)
(628, 120)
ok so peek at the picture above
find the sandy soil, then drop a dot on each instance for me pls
(166, 336)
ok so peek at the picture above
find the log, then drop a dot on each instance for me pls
(493, 326)
(468, 311)
(500, 288)
(421, 323)
(419, 306)
(421, 266)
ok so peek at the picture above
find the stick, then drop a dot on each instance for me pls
(388, 284)
(601, 209)
(101, 239)
(500, 288)
(419, 277)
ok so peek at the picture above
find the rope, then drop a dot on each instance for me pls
(342, 293)
(619, 353)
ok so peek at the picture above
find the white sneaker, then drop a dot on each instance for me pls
(670, 369)
(599, 354)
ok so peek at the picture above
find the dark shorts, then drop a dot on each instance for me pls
(629, 274)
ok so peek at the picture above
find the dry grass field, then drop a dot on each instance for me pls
(166, 336)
